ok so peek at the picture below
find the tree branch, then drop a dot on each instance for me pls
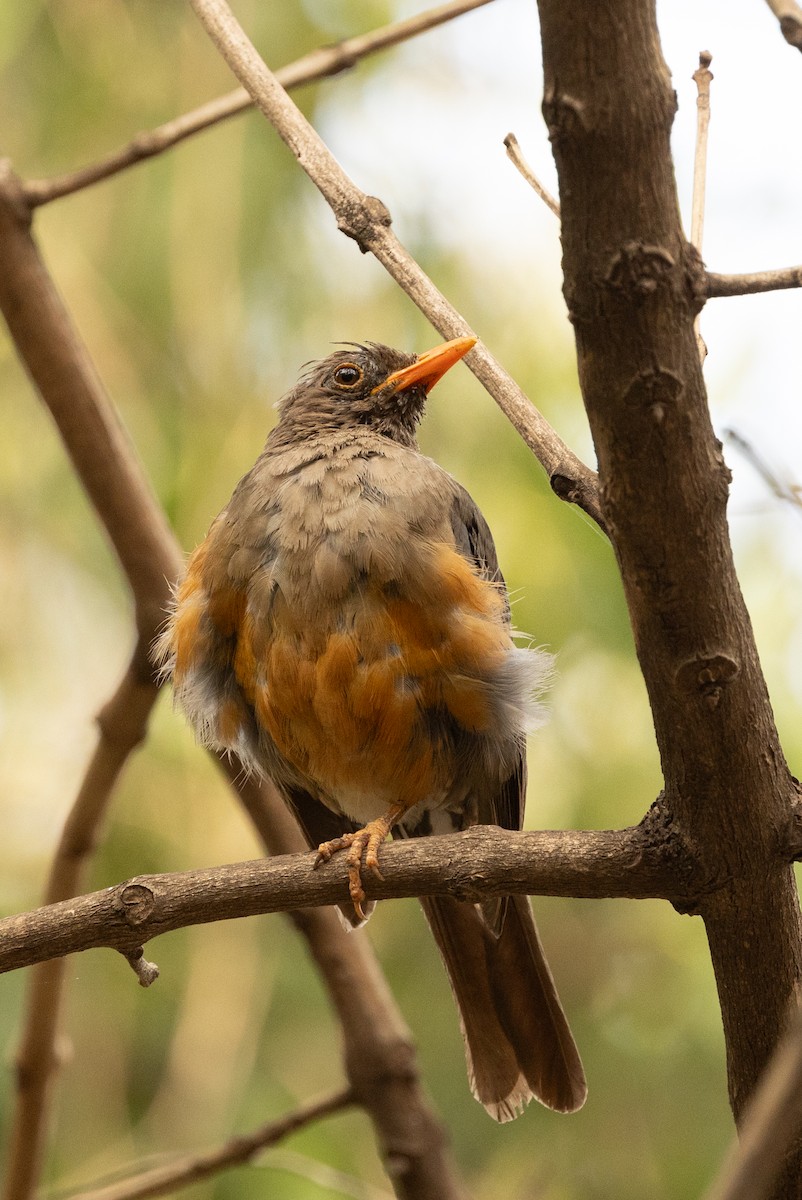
(750, 284)
(632, 284)
(483, 861)
(771, 1123)
(122, 724)
(367, 221)
(702, 77)
(188, 1169)
(93, 435)
(380, 1057)
(515, 155)
(790, 493)
(59, 365)
(319, 64)
(789, 14)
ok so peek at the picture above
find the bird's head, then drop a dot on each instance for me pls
(368, 385)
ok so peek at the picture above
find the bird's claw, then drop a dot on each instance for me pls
(362, 843)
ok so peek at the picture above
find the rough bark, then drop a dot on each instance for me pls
(481, 862)
(633, 287)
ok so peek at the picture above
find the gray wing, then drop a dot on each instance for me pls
(475, 541)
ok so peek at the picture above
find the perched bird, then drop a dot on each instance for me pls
(344, 629)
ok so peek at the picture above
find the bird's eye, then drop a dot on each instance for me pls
(348, 375)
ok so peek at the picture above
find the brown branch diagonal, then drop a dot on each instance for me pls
(188, 1169)
(771, 1123)
(107, 465)
(366, 219)
(789, 14)
(318, 64)
(481, 862)
(122, 724)
(93, 435)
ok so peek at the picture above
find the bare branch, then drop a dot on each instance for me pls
(630, 284)
(189, 1169)
(516, 157)
(481, 862)
(789, 14)
(751, 284)
(106, 462)
(146, 972)
(367, 221)
(380, 1057)
(108, 467)
(772, 1121)
(703, 77)
(791, 493)
(122, 725)
(319, 64)
(324, 1176)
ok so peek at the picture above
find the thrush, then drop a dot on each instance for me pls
(344, 629)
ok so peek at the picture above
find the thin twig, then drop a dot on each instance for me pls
(324, 1176)
(791, 493)
(481, 862)
(108, 467)
(146, 972)
(367, 221)
(756, 281)
(703, 77)
(772, 1121)
(516, 157)
(122, 726)
(789, 14)
(189, 1169)
(319, 64)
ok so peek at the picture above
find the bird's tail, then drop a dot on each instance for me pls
(517, 1040)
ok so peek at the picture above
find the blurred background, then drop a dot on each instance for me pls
(201, 281)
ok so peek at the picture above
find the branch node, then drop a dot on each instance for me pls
(793, 831)
(791, 29)
(696, 278)
(707, 675)
(565, 116)
(13, 194)
(564, 487)
(136, 902)
(146, 972)
(654, 391)
(658, 831)
(639, 269)
(363, 221)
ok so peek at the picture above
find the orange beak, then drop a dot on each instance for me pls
(429, 367)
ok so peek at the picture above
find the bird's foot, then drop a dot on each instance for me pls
(362, 846)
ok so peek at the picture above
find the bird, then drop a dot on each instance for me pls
(344, 629)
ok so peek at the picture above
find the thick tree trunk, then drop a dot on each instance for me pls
(632, 284)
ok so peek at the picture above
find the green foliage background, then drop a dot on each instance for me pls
(201, 281)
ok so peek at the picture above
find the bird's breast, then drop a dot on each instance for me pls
(351, 636)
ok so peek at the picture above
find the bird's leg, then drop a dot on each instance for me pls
(365, 841)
